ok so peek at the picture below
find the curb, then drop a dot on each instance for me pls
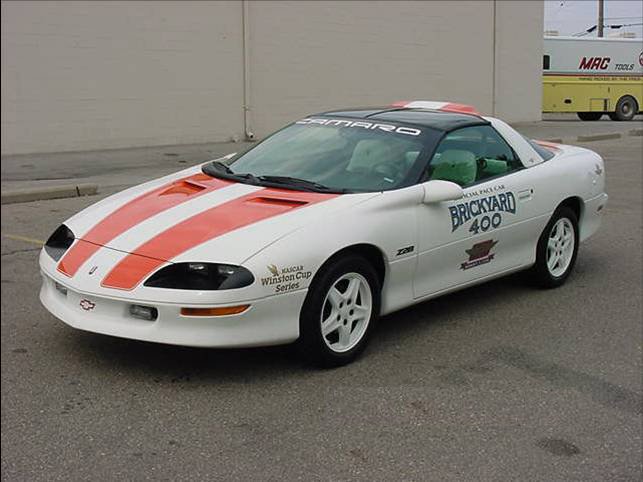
(598, 137)
(53, 192)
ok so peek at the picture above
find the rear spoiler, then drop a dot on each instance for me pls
(437, 105)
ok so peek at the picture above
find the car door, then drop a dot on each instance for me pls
(488, 231)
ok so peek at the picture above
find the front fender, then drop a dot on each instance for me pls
(388, 222)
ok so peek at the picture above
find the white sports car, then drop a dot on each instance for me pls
(326, 225)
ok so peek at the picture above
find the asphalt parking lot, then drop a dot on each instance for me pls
(497, 382)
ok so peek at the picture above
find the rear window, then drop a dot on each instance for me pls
(545, 153)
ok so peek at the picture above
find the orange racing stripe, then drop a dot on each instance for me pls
(552, 146)
(460, 109)
(202, 227)
(135, 212)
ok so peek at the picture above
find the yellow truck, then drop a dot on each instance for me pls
(593, 76)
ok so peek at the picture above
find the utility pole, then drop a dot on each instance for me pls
(601, 20)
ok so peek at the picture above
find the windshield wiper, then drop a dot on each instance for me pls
(221, 166)
(297, 182)
(219, 169)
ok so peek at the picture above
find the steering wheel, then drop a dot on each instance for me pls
(388, 170)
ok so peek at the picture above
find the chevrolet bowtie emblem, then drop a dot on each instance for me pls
(87, 305)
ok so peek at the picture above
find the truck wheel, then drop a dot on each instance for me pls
(340, 310)
(626, 109)
(589, 116)
(557, 249)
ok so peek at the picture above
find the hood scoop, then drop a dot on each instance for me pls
(185, 188)
(278, 201)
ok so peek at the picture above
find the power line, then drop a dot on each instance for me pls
(591, 29)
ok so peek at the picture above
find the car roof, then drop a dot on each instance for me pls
(433, 118)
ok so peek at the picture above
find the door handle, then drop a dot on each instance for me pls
(525, 195)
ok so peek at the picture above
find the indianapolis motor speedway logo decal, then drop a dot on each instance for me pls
(479, 254)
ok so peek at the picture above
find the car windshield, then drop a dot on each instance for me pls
(340, 155)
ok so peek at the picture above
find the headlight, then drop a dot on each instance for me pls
(59, 242)
(201, 276)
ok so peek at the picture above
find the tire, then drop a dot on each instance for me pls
(345, 331)
(612, 116)
(589, 116)
(562, 226)
(626, 108)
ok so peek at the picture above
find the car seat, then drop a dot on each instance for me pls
(456, 165)
(369, 153)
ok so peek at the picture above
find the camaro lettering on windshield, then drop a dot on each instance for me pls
(409, 131)
(488, 207)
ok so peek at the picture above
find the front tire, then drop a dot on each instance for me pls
(339, 312)
(589, 116)
(557, 249)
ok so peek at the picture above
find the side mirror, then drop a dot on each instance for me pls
(439, 191)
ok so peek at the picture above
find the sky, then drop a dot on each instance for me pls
(574, 16)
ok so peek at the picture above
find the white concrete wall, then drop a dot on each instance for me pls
(519, 50)
(91, 75)
(309, 56)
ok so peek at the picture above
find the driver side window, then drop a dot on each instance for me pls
(471, 155)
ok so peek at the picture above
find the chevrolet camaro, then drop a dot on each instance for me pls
(317, 231)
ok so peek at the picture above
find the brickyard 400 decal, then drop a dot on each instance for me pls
(485, 210)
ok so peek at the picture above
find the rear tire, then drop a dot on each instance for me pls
(626, 109)
(589, 116)
(339, 312)
(557, 249)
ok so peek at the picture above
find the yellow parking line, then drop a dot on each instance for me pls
(24, 238)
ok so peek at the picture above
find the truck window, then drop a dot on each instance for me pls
(545, 62)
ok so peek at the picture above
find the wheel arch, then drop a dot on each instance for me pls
(633, 97)
(373, 254)
(576, 204)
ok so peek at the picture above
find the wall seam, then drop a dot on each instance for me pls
(249, 134)
(493, 72)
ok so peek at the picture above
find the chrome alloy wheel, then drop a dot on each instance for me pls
(346, 312)
(560, 247)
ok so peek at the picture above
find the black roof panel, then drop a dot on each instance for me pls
(435, 119)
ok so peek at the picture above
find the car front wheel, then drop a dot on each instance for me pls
(340, 310)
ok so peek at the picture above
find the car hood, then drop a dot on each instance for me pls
(190, 218)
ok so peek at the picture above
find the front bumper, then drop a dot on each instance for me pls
(269, 321)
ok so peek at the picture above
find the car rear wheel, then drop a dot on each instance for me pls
(557, 249)
(589, 116)
(626, 109)
(340, 310)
